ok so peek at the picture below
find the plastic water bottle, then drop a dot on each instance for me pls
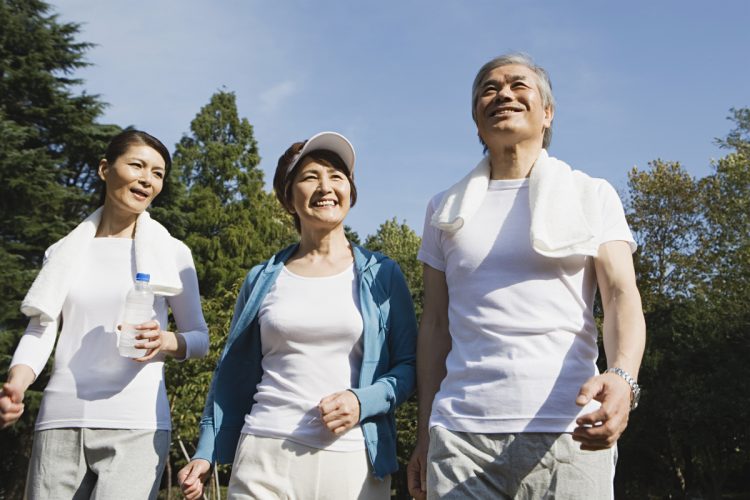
(139, 305)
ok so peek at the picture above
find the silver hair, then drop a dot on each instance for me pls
(545, 86)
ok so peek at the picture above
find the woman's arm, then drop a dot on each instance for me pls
(206, 450)
(397, 384)
(192, 477)
(35, 346)
(191, 338)
(20, 377)
(31, 355)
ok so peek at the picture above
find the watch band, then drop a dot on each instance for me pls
(635, 389)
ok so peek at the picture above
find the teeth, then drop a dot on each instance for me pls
(324, 203)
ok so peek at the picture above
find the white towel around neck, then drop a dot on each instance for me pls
(565, 211)
(153, 255)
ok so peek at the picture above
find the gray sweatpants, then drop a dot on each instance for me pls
(82, 463)
(464, 465)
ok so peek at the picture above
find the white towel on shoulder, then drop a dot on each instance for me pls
(463, 199)
(565, 210)
(153, 255)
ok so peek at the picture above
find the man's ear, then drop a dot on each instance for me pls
(549, 114)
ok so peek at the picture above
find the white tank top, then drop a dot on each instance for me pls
(311, 338)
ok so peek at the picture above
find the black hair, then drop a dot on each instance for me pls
(120, 144)
(283, 178)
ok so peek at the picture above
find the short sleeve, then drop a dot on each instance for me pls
(614, 225)
(431, 252)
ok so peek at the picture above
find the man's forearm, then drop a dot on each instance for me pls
(624, 325)
(624, 332)
(433, 346)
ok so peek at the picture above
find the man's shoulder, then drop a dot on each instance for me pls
(590, 183)
(586, 177)
(436, 200)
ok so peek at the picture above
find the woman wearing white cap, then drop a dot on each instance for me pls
(320, 352)
(103, 427)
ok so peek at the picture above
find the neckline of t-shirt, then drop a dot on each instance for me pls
(348, 270)
(107, 238)
(499, 184)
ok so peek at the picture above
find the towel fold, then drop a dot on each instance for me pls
(463, 199)
(566, 216)
(153, 255)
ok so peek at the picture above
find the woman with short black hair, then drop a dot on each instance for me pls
(320, 353)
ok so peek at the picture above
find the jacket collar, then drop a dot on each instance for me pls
(278, 260)
(363, 258)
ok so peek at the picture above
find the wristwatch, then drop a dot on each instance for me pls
(635, 389)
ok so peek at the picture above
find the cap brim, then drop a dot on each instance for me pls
(331, 141)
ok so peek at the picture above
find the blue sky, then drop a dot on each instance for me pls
(634, 81)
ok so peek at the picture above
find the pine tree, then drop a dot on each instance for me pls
(401, 243)
(50, 141)
(216, 203)
(49, 149)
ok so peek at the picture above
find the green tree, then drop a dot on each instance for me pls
(50, 140)
(352, 235)
(50, 147)
(693, 270)
(664, 212)
(216, 203)
(726, 198)
(738, 139)
(401, 243)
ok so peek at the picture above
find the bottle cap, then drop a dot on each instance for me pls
(143, 277)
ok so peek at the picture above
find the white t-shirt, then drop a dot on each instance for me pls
(311, 338)
(91, 384)
(522, 327)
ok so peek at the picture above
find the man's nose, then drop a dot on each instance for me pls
(503, 93)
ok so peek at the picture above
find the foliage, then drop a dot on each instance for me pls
(50, 146)
(689, 437)
(352, 235)
(664, 214)
(401, 243)
(216, 203)
(694, 270)
(738, 139)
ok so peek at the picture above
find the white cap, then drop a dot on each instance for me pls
(331, 141)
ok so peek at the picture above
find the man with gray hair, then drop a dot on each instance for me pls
(511, 404)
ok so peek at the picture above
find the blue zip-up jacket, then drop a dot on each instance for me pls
(386, 378)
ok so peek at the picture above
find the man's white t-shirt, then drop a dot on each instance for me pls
(523, 334)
